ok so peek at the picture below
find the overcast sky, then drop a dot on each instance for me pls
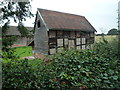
(102, 14)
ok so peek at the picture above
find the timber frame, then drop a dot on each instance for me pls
(59, 39)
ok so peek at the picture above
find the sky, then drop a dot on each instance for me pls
(102, 14)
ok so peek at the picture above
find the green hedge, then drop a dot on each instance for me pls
(18, 74)
(96, 68)
(80, 69)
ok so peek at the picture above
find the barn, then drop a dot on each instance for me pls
(21, 41)
(57, 30)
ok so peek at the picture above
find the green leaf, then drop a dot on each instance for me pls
(79, 66)
(115, 77)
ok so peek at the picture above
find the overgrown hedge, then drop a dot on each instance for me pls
(80, 69)
(18, 74)
(96, 68)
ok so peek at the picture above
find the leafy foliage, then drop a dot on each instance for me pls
(113, 32)
(86, 68)
(96, 68)
(8, 41)
(23, 30)
(108, 46)
(18, 74)
(18, 11)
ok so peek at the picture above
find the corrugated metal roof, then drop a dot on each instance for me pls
(64, 21)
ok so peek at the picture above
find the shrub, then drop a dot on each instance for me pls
(96, 68)
(18, 74)
(86, 68)
(107, 48)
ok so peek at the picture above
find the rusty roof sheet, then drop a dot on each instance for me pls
(64, 21)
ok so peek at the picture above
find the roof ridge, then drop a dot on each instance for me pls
(17, 26)
(61, 12)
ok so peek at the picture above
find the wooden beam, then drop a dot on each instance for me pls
(56, 41)
(75, 40)
(48, 44)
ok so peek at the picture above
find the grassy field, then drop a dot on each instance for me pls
(112, 40)
(23, 51)
(109, 38)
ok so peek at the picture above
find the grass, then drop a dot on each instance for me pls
(27, 51)
(109, 38)
(23, 51)
(112, 40)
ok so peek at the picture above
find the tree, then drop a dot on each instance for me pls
(18, 11)
(113, 32)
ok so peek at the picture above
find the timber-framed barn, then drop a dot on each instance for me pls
(56, 30)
